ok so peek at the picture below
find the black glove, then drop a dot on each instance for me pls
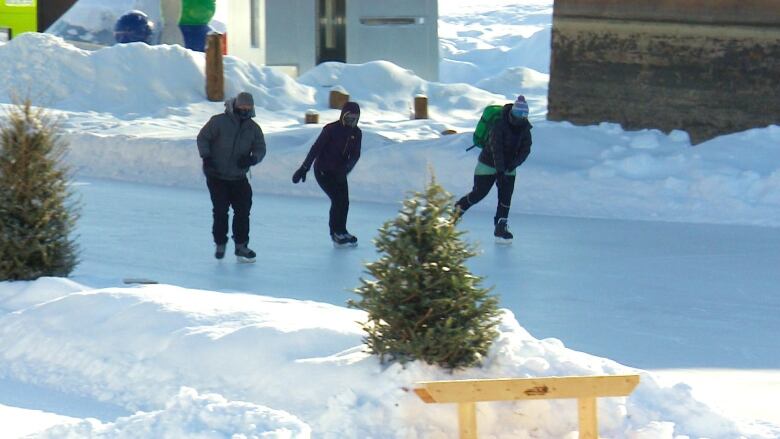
(208, 164)
(245, 161)
(300, 175)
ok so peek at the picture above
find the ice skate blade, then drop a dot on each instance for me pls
(346, 245)
(503, 241)
(243, 260)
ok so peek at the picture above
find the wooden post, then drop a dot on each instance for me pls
(467, 420)
(312, 117)
(215, 71)
(421, 107)
(338, 97)
(587, 412)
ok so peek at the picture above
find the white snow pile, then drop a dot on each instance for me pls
(479, 40)
(191, 415)
(93, 21)
(206, 364)
(130, 80)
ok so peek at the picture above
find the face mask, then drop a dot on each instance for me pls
(243, 114)
(519, 114)
(351, 119)
(517, 117)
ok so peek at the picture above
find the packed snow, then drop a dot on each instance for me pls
(269, 367)
(169, 361)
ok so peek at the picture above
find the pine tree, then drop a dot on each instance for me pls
(36, 214)
(423, 303)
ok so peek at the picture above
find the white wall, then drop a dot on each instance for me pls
(291, 33)
(239, 33)
(414, 46)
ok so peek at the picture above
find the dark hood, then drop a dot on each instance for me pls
(230, 106)
(349, 107)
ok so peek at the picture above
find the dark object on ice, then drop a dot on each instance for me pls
(138, 280)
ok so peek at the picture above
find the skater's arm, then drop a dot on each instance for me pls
(354, 153)
(258, 146)
(207, 134)
(525, 149)
(315, 150)
(496, 140)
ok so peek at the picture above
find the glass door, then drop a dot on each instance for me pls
(331, 31)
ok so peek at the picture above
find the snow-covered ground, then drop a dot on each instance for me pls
(677, 245)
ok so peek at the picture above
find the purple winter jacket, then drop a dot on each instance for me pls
(337, 149)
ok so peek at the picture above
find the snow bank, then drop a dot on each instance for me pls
(599, 171)
(19, 295)
(481, 40)
(137, 347)
(27, 422)
(384, 86)
(195, 416)
(93, 21)
(130, 80)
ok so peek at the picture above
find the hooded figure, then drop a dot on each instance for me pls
(509, 144)
(333, 155)
(229, 144)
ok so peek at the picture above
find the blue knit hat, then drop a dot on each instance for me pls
(520, 107)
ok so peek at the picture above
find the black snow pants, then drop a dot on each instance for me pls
(335, 186)
(482, 185)
(226, 194)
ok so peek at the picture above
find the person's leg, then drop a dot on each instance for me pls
(341, 203)
(482, 185)
(326, 182)
(241, 200)
(505, 191)
(220, 201)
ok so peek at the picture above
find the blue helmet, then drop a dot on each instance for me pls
(133, 27)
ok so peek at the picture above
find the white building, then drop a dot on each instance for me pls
(299, 34)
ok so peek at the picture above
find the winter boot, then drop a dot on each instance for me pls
(341, 240)
(502, 233)
(219, 252)
(244, 254)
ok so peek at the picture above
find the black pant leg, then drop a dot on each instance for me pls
(336, 188)
(241, 200)
(342, 203)
(327, 186)
(482, 185)
(505, 197)
(220, 202)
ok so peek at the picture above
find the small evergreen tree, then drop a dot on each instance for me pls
(36, 216)
(423, 302)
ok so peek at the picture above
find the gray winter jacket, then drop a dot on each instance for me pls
(224, 139)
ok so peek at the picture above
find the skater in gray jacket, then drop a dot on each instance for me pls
(229, 144)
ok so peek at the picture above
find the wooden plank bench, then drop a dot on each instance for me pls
(466, 393)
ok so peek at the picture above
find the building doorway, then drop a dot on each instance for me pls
(331, 31)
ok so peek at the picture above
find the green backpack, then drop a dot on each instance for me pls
(490, 115)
